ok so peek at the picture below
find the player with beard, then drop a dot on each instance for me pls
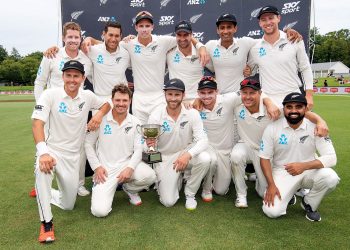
(289, 162)
(182, 146)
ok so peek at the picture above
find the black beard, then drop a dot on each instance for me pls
(296, 120)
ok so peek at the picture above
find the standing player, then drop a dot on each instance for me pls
(287, 157)
(279, 60)
(50, 76)
(114, 152)
(58, 151)
(182, 146)
(183, 60)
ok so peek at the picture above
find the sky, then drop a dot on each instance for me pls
(33, 25)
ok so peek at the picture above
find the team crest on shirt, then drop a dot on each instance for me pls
(176, 58)
(262, 145)
(194, 58)
(242, 114)
(166, 127)
(283, 140)
(62, 108)
(81, 105)
(219, 111)
(153, 48)
(216, 53)
(137, 49)
(262, 52)
(39, 107)
(203, 115)
(234, 52)
(282, 46)
(183, 124)
(107, 130)
(99, 59)
(60, 66)
(127, 129)
(303, 139)
(117, 60)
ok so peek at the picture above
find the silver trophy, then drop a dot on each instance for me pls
(151, 131)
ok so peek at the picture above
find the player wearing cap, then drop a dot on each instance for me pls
(288, 160)
(279, 60)
(218, 119)
(182, 146)
(114, 152)
(50, 76)
(183, 60)
(58, 151)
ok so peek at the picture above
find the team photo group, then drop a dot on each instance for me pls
(224, 104)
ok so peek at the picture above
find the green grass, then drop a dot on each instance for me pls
(217, 225)
(332, 82)
(15, 88)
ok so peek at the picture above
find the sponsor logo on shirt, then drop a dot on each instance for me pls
(166, 20)
(137, 49)
(216, 53)
(303, 139)
(196, 2)
(102, 2)
(99, 59)
(199, 36)
(254, 13)
(290, 7)
(166, 127)
(117, 60)
(183, 124)
(81, 105)
(127, 129)
(60, 66)
(283, 140)
(74, 15)
(153, 49)
(106, 19)
(203, 115)
(262, 145)
(107, 130)
(195, 18)
(164, 3)
(242, 114)
(39, 107)
(137, 3)
(62, 108)
(262, 52)
(234, 52)
(176, 58)
(282, 46)
(218, 112)
(255, 33)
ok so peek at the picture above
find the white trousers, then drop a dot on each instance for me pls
(319, 181)
(218, 177)
(143, 105)
(67, 176)
(170, 181)
(241, 155)
(103, 193)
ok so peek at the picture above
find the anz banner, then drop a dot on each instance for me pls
(92, 14)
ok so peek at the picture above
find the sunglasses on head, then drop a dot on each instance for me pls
(142, 13)
(249, 81)
(208, 78)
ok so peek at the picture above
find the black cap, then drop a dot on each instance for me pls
(207, 82)
(268, 9)
(295, 97)
(183, 26)
(174, 84)
(73, 64)
(250, 82)
(226, 18)
(144, 15)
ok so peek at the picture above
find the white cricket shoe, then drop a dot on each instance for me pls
(207, 196)
(241, 202)
(82, 191)
(302, 192)
(191, 203)
(134, 199)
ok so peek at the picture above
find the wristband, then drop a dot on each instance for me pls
(42, 148)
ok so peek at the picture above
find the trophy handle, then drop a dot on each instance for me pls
(138, 129)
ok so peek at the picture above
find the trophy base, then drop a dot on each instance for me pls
(151, 157)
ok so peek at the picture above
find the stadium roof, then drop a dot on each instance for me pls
(325, 66)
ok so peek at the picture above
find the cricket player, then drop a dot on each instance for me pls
(252, 119)
(279, 60)
(114, 153)
(218, 119)
(58, 151)
(182, 145)
(288, 161)
(50, 76)
(183, 60)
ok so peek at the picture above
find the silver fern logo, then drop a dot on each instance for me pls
(195, 18)
(223, 1)
(76, 14)
(255, 13)
(290, 25)
(102, 2)
(164, 3)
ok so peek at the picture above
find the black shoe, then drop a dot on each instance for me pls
(310, 214)
(292, 201)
